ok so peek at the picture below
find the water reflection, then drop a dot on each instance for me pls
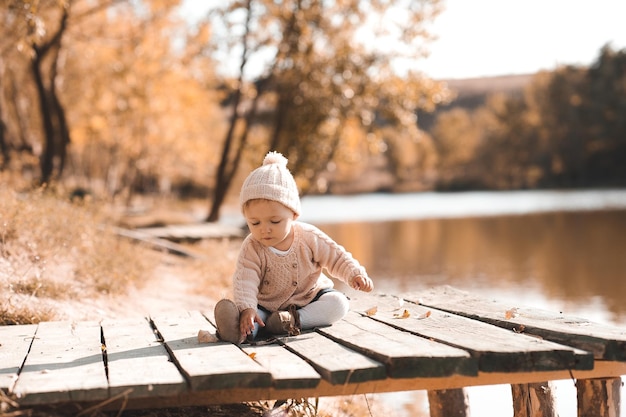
(576, 259)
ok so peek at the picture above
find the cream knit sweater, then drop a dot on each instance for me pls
(265, 278)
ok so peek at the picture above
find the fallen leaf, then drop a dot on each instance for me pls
(371, 311)
(205, 336)
(405, 315)
(509, 314)
(252, 355)
(424, 316)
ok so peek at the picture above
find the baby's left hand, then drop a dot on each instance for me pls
(362, 283)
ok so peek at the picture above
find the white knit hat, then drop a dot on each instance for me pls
(272, 181)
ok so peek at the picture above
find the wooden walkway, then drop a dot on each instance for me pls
(436, 340)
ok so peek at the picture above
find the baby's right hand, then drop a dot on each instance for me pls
(362, 283)
(246, 321)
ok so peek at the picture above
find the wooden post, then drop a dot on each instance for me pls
(599, 397)
(448, 403)
(533, 400)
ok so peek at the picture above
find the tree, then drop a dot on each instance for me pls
(145, 105)
(566, 130)
(313, 67)
(603, 112)
(38, 29)
(138, 91)
(457, 138)
(57, 136)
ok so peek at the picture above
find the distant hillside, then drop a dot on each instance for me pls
(500, 83)
(472, 92)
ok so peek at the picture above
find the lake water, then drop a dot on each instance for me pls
(561, 251)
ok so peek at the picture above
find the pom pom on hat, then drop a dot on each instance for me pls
(275, 158)
(272, 181)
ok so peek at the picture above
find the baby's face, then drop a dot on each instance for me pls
(270, 223)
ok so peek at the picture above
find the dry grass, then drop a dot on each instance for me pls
(349, 406)
(290, 408)
(53, 250)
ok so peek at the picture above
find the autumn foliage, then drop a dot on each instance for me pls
(566, 129)
(123, 97)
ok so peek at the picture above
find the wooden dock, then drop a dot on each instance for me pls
(441, 339)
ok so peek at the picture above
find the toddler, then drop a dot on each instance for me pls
(278, 282)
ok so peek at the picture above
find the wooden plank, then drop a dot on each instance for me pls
(208, 365)
(137, 363)
(15, 342)
(335, 363)
(404, 354)
(605, 342)
(287, 369)
(194, 231)
(157, 242)
(384, 351)
(495, 349)
(64, 364)
(325, 389)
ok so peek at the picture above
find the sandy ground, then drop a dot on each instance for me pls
(171, 289)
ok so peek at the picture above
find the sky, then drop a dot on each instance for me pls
(500, 37)
(478, 38)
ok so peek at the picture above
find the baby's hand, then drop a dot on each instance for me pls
(246, 322)
(362, 283)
